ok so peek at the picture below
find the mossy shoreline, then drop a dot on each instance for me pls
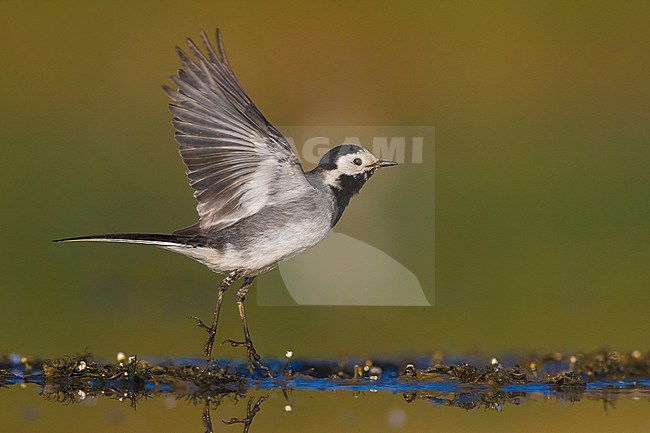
(72, 379)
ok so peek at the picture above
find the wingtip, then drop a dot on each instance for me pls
(220, 46)
(171, 93)
(181, 54)
(190, 43)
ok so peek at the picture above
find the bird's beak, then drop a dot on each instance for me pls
(382, 163)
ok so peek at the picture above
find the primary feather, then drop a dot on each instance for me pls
(234, 156)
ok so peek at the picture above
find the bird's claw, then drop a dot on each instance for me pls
(201, 324)
(207, 349)
(234, 343)
(253, 357)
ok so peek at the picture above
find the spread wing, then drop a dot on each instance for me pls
(235, 158)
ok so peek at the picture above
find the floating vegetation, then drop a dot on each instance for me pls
(606, 376)
(72, 379)
(555, 369)
(6, 378)
(494, 375)
(461, 382)
(467, 382)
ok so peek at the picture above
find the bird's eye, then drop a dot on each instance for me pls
(357, 161)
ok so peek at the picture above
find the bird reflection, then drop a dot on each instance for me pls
(252, 408)
(251, 411)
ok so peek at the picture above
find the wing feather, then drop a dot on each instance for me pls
(237, 162)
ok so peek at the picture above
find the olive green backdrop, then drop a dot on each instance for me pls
(542, 169)
(541, 184)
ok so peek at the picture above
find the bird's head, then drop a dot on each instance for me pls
(348, 167)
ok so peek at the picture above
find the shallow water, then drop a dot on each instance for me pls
(387, 402)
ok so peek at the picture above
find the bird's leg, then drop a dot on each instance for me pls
(252, 354)
(212, 330)
(251, 411)
(206, 418)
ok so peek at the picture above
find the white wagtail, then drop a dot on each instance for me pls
(256, 205)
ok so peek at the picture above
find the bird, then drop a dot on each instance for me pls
(257, 207)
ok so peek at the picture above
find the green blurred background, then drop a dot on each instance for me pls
(542, 169)
(541, 185)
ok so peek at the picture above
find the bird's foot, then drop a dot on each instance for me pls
(253, 357)
(207, 349)
(201, 324)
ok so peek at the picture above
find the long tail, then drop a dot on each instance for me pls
(159, 240)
